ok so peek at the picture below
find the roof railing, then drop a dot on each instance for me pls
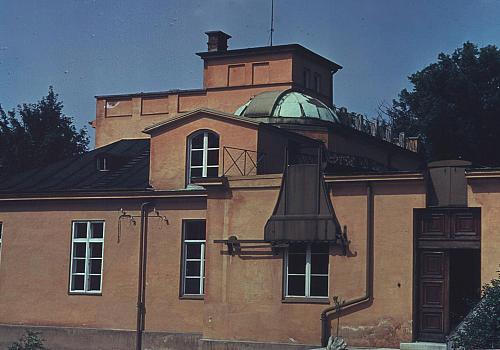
(240, 162)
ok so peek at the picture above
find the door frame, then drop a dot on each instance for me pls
(453, 236)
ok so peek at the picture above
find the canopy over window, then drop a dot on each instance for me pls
(304, 211)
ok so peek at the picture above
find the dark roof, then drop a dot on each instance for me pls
(269, 50)
(129, 160)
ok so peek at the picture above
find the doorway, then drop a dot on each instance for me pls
(447, 273)
(465, 283)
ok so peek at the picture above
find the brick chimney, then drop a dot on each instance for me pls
(217, 40)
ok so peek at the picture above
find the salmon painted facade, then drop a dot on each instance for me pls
(229, 217)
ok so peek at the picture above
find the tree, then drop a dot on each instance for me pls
(454, 106)
(38, 134)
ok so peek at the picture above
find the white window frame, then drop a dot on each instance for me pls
(201, 276)
(87, 240)
(102, 163)
(204, 166)
(307, 275)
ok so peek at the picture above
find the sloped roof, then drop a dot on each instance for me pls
(80, 174)
(209, 112)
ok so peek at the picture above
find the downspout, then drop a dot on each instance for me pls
(141, 285)
(368, 297)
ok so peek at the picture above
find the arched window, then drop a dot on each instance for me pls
(203, 155)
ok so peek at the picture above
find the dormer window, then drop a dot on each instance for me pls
(203, 155)
(102, 163)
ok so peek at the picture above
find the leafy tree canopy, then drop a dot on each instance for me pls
(454, 106)
(38, 134)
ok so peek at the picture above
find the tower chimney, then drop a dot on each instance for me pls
(217, 40)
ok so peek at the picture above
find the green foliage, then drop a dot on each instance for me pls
(454, 106)
(481, 328)
(38, 134)
(29, 341)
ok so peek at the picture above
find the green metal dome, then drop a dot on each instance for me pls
(286, 104)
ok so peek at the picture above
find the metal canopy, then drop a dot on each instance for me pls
(304, 211)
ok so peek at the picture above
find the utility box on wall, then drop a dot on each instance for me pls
(447, 186)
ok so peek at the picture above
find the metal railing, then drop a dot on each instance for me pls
(240, 162)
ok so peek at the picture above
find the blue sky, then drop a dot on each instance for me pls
(90, 47)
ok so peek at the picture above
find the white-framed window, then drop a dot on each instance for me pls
(102, 163)
(193, 257)
(203, 155)
(87, 248)
(307, 270)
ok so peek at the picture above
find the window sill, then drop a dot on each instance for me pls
(305, 300)
(192, 297)
(85, 293)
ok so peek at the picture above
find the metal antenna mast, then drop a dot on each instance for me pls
(272, 23)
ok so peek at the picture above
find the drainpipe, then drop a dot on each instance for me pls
(141, 285)
(368, 297)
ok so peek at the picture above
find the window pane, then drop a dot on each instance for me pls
(213, 157)
(319, 263)
(213, 140)
(79, 250)
(297, 248)
(81, 230)
(96, 229)
(193, 251)
(197, 158)
(197, 142)
(192, 286)
(95, 266)
(95, 250)
(212, 172)
(297, 263)
(320, 248)
(196, 172)
(194, 230)
(193, 268)
(77, 282)
(297, 285)
(78, 265)
(319, 286)
(95, 283)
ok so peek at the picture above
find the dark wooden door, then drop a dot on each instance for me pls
(433, 300)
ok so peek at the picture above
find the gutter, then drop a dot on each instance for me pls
(141, 285)
(367, 299)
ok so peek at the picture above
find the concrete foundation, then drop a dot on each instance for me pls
(72, 338)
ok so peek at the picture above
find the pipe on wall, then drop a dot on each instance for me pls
(141, 285)
(368, 297)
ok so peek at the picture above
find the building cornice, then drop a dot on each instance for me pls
(104, 195)
(414, 176)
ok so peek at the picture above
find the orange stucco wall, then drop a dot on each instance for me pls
(485, 193)
(169, 147)
(244, 293)
(34, 271)
(227, 84)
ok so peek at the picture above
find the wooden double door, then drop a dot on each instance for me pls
(447, 268)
